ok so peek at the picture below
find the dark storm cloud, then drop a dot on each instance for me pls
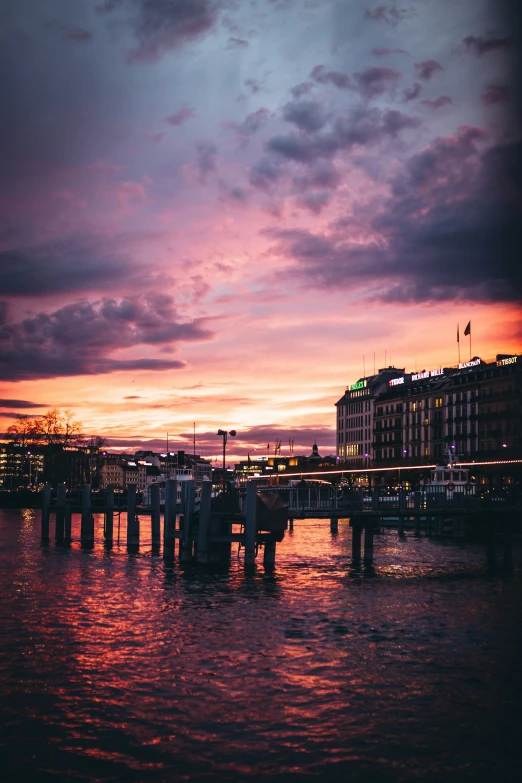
(21, 404)
(206, 158)
(161, 26)
(322, 174)
(389, 14)
(78, 34)
(383, 52)
(180, 116)
(337, 78)
(438, 103)
(426, 69)
(410, 93)
(479, 44)
(77, 263)
(253, 122)
(495, 93)
(315, 201)
(362, 126)
(301, 89)
(450, 230)
(78, 339)
(265, 173)
(234, 43)
(306, 115)
(375, 81)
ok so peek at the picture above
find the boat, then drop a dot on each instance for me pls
(450, 479)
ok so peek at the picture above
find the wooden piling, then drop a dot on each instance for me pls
(87, 525)
(169, 520)
(368, 542)
(269, 555)
(67, 532)
(417, 507)
(189, 497)
(133, 523)
(204, 521)
(356, 542)
(334, 524)
(46, 502)
(291, 523)
(155, 517)
(250, 522)
(375, 499)
(61, 495)
(109, 516)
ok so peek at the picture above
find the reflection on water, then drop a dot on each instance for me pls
(118, 667)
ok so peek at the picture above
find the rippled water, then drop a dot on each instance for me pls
(123, 668)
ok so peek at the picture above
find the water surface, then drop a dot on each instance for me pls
(117, 667)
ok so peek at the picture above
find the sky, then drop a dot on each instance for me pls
(217, 214)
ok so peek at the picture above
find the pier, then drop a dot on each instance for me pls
(256, 518)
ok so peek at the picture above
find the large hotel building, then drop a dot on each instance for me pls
(394, 417)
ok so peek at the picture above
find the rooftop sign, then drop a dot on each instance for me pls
(472, 363)
(509, 360)
(358, 385)
(395, 381)
(420, 376)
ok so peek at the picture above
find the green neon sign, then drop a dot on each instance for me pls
(358, 385)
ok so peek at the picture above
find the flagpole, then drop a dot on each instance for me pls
(470, 343)
(458, 342)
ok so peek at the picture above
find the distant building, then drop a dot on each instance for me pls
(355, 416)
(474, 409)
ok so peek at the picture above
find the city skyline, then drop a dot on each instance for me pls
(214, 211)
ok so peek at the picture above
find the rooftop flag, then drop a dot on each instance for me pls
(467, 330)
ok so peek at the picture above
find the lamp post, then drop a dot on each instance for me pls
(224, 434)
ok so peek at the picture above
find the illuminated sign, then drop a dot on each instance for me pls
(510, 360)
(358, 385)
(420, 376)
(472, 363)
(395, 381)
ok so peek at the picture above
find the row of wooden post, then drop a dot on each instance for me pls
(186, 534)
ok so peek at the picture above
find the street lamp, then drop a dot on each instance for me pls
(224, 434)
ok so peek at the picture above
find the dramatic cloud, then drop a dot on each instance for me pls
(375, 81)
(69, 264)
(253, 122)
(450, 230)
(383, 52)
(78, 339)
(338, 79)
(438, 103)
(426, 69)
(301, 89)
(389, 14)
(234, 43)
(161, 26)
(265, 173)
(21, 404)
(206, 158)
(362, 126)
(78, 34)
(495, 93)
(306, 115)
(180, 116)
(410, 93)
(479, 45)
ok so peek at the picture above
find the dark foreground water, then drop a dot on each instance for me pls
(121, 668)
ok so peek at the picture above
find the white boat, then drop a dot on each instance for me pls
(450, 479)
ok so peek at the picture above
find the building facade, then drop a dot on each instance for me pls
(474, 409)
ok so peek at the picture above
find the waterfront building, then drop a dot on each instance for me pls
(355, 416)
(20, 467)
(474, 409)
